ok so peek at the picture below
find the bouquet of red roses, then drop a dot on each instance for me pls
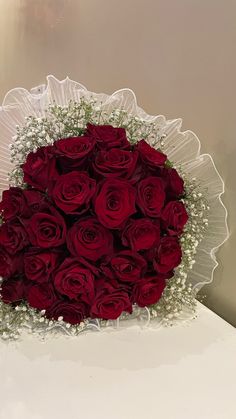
(107, 213)
(95, 230)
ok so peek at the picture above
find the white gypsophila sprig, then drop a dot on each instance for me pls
(64, 122)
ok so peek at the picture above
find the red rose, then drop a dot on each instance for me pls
(41, 296)
(40, 168)
(108, 137)
(73, 313)
(47, 230)
(90, 239)
(148, 291)
(151, 196)
(12, 290)
(39, 265)
(115, 202)
(74, 151)
(168, 255)
(174, 183)
(150, 157)
(141, 234)
(13, 204)
(73, 191)
(36, 201)
(110, 301)
(128, 266)
(9, 264)
(74, 281)
(115, 162)
(174, 217)
(13, 236)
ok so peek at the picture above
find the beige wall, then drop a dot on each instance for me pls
(177, 55)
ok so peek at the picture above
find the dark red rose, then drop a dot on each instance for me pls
(115, 163)
(109, 301)
(13, 204)
(73, 191)
(108, 137)
(41, 296)
(90, 239)
(36, 201)
(150, 156)
(141, 234)
(74, 281)
(40, 168)
(13, 236)
(39, 265)
(148, 290)
(115, 202)
(9, 264)
(73, 152)
(167, 255)
(12, 290)
(72, 312)
(127, 266)
(174, 183)
(151, 196)
(174, 217)
(47, 230)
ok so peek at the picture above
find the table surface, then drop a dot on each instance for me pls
(187, 371)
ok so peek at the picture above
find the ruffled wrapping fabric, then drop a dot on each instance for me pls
(182, 148)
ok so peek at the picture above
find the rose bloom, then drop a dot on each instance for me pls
(40, 264)
(12, 290)
(73, 191)
(73, 152)
(141, 234)
(115, 202)
(115, 162)
(174, 184)
(167, 255)
(13, 204)
(40, 168)
(149, 155)
(127, 266)
(174, 217)
(74, 281)
(151, 196)
(89, 239)
(37, 202)
(148, 290)
(71, 312)
(13, 236)
(108, 137)
(9, 264)
(110, 301)
(46, 230)
(41, 296)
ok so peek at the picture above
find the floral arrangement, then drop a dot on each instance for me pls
(98, 223)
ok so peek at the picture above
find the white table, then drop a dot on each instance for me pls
(188, 371)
